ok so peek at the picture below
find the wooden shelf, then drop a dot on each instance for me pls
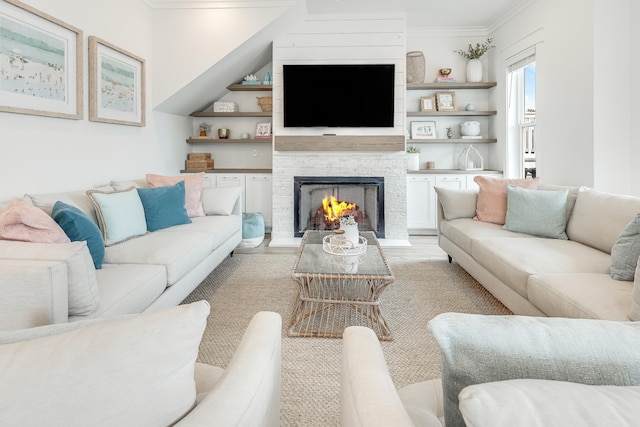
(236, 114)
(449, 113)
(226, 170)
(249, 88)
(439, 86)
(451, 141)
(226, 141)
(339, 143)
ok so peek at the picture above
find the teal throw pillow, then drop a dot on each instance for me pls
(164, 206)
(537, 212)
(625, 252)
(120, 214)
(78, 227)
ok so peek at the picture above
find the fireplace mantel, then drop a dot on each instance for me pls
(340, 143)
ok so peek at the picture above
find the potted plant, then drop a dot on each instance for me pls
(473, 54)
(413, 158)
(350, 227)
(204, 129)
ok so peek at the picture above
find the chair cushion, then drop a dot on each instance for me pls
(164, 206)
(135, 370)
(78, 227)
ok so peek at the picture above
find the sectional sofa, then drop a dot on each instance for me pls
(565, 267)
(46, 283)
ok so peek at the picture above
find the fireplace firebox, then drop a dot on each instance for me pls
(361, 197)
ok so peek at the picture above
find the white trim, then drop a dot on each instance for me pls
(510, 14)
(447, 32)
(213, 4)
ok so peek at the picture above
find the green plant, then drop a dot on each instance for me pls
(475, 52)
(413, 149)
(347, 220)
(205, 127)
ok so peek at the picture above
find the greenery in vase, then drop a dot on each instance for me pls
(413, 149)
(475, 52)
(348, 220)
(205, 127)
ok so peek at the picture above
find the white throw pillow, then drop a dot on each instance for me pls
(136, 370)
(220, 200)
(120, 214)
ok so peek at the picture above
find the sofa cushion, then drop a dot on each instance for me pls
(24, 222)
(136, 370)
(192, 185)
(78, 199)
(78, 227)
(580, 295)
(164, 206)
(218, 228)
(463, 231)
(530, 403)
(539, 213)
(457, 203)
(625, 252)
(120, 214)
(492, 196)
(479, 349)
(82, 283)
(598, 218)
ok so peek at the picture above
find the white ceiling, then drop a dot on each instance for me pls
(419, 13)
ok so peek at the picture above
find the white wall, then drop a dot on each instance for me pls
(634, 18)
(41, 154)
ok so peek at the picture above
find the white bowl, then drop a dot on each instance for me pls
(470, 128)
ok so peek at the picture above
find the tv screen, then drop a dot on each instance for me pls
(338, 95)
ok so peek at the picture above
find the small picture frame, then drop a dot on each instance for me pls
(263, 130)
(446, 101)
(423, 130)
(427, 103)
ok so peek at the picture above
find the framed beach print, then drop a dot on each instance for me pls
(423, 130)
(446, 101)
(428, 103)
(116, 85)
(40, 63)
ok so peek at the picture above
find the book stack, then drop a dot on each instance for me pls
(198, 161)
(445, 80)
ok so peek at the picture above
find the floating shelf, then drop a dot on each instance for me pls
(226, 141)
(236, 114)
(438, 86)
(451, 141)
(449, 113)
(249, 88)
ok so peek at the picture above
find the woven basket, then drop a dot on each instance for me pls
(265, 103)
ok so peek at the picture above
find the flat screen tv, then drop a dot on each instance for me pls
(358, 95)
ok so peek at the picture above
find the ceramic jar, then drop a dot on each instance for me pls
(415, 67)
(474, 71)
(471, 128)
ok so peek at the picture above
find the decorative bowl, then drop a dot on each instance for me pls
(444, 72)
(471, 128)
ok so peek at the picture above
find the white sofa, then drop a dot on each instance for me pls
(539, 276)
(45, 283)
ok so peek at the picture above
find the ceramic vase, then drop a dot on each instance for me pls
(415, 67)
(474, 71)
(413, 161)
(351, 233)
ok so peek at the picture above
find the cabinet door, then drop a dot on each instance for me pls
(209, 180)
(232, 180)
(258, 196)
(421, 208)
(451, 181)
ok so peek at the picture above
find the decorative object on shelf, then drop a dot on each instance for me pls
(470, 160)
(251, 79)
(61, 96)
(444, 72)
(223, 133)
(198, 161)
(204, 128)
(415, 67)
(245, 135)
(446, 101)
(449, 133)
(427, 103)
(423, 130)
(263, 130)
(265, 103)
(473, 54)
(470, 128)
(470, 107)
(444, 76)
(225, 107)
(413, 158)
(267, 79)
(350, 227)
(431, 165)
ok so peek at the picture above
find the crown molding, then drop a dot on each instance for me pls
(217, 4)
(510, 14)
(447, 32)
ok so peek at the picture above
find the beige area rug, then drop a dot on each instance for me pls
(247, 283)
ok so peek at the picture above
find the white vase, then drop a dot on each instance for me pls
(351, 233)
(413, 161)
(474, 71)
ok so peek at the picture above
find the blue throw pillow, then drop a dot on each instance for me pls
(164, 206)
(78, 227)
(537, 212)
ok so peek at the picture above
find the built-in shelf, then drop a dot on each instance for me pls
(236, 114)
(449, 113)
(438, 86)
(226, 141)
(451, 141)
(247, 88)
(226, 170)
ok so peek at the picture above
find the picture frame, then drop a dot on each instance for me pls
(263, 130)
(446, 101)
(427, 103)
(423, 130)
(41, 61)
(116, 85)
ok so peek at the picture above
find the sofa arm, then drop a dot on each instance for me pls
(222, 200)
(32, 293)
(248, 392)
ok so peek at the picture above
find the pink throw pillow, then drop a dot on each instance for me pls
(26, 223)
(192, 189)
(492, 197)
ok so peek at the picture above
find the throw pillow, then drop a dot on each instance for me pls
(492, 197)
(192, 189)
(220, 200)
(24, 222)
(164, 206)
(457, 203)
(625, 252)
(135, 370)
(536, 212)
(78, 227)
(478, 349)
(120, 214)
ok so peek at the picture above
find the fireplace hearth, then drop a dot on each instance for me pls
(361, 197)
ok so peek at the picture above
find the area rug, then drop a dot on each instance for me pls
(244, 284)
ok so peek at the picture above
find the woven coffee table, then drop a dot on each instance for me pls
(335, 292)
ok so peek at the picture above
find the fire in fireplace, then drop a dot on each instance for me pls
(319, 202)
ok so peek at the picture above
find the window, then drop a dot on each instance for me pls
(521, 117)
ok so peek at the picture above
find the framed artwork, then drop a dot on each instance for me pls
(428, 103)
(446, 101)
(423, 130)
(116, 85)
(263, 130)
(40, 63)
